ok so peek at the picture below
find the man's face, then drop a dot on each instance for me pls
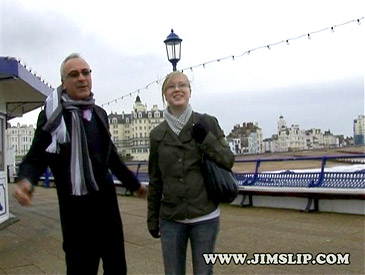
(77, 79)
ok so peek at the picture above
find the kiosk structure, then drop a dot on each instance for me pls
(21, 91)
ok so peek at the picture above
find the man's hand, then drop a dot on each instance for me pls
(142, 191)
(23, 192)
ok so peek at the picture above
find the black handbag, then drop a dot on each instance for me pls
(220, 182)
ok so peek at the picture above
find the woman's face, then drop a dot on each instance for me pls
(177, 92)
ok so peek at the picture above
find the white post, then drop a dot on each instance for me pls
(4, 201)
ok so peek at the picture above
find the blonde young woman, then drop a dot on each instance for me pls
(179, 208)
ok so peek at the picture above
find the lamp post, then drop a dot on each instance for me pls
(173, 48)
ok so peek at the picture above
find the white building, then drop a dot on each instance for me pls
(130, 132)
(330, 140)
(282, 140)
(246, 139)
(359, 130)
(314, 138)
(235, 145)
(269, 144)
(297, 140)
(294, 139)
(19, 139)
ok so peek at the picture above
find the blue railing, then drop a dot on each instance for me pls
(289, 178)
(322, 178)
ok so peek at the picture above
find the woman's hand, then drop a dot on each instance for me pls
(155, 233)
(199, 132)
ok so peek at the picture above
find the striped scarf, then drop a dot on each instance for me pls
(82, 176)
(177, 123)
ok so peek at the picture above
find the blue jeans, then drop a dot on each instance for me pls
(174, 239)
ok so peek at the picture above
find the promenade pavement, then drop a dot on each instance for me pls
(33, 245)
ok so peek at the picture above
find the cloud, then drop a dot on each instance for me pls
(332, 105)
(315, 82)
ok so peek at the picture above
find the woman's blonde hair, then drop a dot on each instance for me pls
(167, 80)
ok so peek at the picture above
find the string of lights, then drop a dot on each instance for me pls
(131, 93)
(247, 52)
(232, 57)
(30, 70)
(269, 46)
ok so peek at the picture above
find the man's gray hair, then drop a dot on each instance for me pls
(71, 56)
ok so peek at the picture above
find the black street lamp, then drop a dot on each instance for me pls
(173, 48)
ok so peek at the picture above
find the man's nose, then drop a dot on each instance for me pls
(81, 77)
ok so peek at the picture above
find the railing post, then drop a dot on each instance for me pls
(321, 175)
(138, 167)
(46, 178)
(258, 162)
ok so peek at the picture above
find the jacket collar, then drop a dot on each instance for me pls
(103, 119)
(170, 137)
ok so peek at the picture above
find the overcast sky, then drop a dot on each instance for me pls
(315, 83)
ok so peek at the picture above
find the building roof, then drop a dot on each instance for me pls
(21, 90)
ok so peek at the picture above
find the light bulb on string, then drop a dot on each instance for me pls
(248, 52)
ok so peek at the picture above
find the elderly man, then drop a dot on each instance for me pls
(73, 139)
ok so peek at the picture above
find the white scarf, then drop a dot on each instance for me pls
(82, 176)
(177, 123)
(59, 135)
